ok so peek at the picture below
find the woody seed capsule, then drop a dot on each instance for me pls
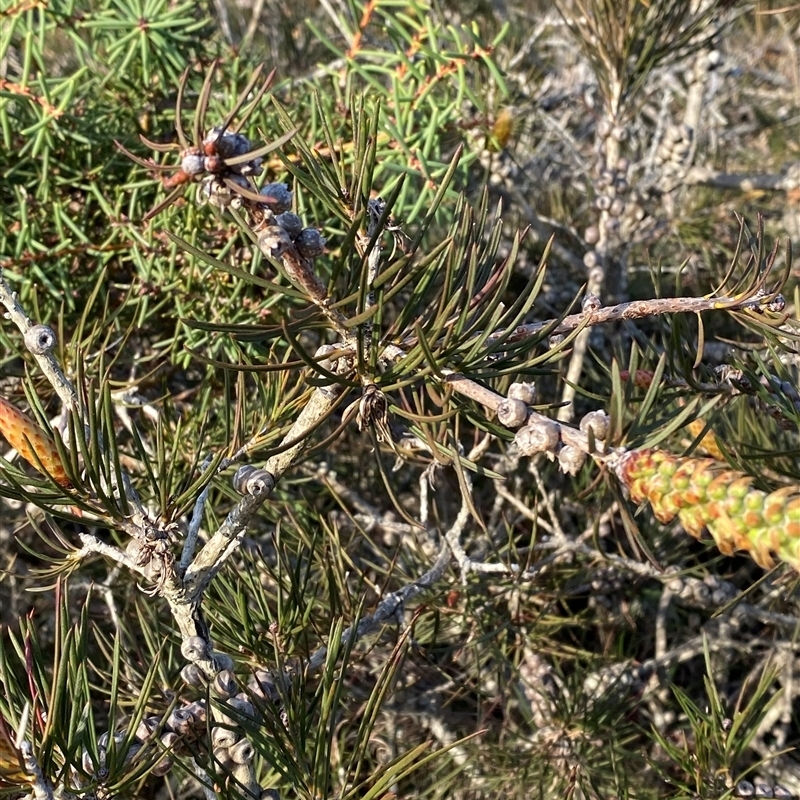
(193, 675)
(310, 243)
(223, 661)
(180, 721)
(224, 737)
(40, 339)
(194, 648)
(598, 421)
(512, 413)
(570, 459)
(242, 752)
(603, 202)
(224, 684)
(291, 223)
(162, 767)
(523, 391)
(538, 436)
(280, 196)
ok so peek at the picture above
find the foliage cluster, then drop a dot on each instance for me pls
(307, 459)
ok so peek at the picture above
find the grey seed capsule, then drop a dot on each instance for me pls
(224, 684)
(512, 413)
(663, 153)
(612, 225)
(169, 739)
(197, 709)
(591, 234)
(764, 790)
(193, 675)
(620, 133)
(281, 197)
(603, 202)
(273, 241)
(193, 163)
(180, 721)
(194, 648)
(162, 767)
(781, 792)
(591, 259)
(673, 134)
(310, 243)
(621, 186)
(291, 223)
(540, 436)
(606, 178)
(242, 752)
(526, 392)
(262, 685)
(146, 728)
(623, 164)
(223, 661)
(604, 128)
(570, 459)
(222, 755)
(591, 302)
(241, 703)
(224, 737)
(598, 422)
(40, 339)
(617, 207)
(251, 480)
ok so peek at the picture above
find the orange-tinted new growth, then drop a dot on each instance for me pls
(31, 442)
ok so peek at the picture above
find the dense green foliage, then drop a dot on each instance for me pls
(528, 158)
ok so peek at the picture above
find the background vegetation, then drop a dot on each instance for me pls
(416, 606)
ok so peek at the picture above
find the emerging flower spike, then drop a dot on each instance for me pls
(33, 443)
(706, 495)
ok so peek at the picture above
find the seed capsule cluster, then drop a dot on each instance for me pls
(543, 435)
(760, 789)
